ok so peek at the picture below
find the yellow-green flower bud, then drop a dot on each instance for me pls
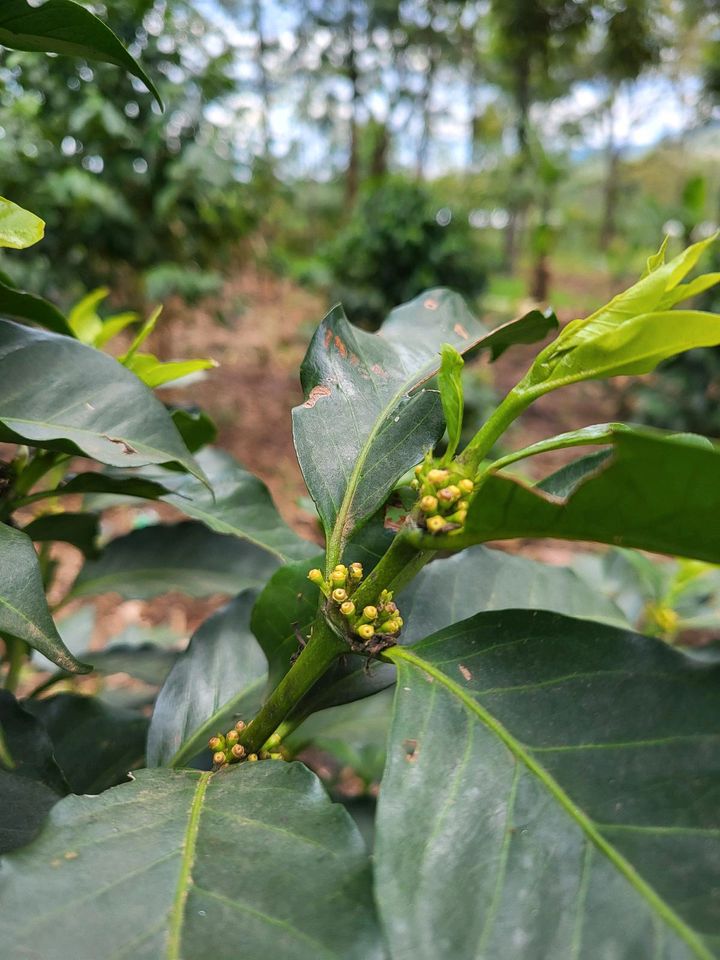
(347, 609)
(438, 477)
(390, 626)
(366, 631)
(466, 486)
(338, 579)
(356, 572)
(449, 494)
(459, 516)
(315, 576)
(219, 758)
(252, 757)
(414, 484)
(463, 504)
(339, 595)
(216, 743)
(231, 737)
(238, 751)
(385, 596)
(276, 756)
(274, 740)
(428, 504)
(240, 726)
(264, 755)
(370, 612)
(418, 470)
(341, 570)
(435, 524)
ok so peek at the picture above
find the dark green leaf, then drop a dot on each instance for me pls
(89, 402)
(24, 806)
(114, 484)
(34, 783)
(26, 306)
(530, 328)
(24, 611)
(253, 862)
(145, 661)
(79, 529)
(65, 27)
(285, 608)
(364, 423)
(219, 679)
(551, 791)
(94, 744)
(186, 557)
(656, 492)
(195, 427)
(29, 745)
(239, 504)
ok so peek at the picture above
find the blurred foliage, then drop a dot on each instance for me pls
(117, 181)
(396, 244)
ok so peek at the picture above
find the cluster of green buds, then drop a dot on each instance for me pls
(226, 748)
(381, 619)
(444, 497)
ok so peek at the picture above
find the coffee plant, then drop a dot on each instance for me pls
(551, 781)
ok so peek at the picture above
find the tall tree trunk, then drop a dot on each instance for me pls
(517, 208)
(425, 101)
(352, 177)
(611, 185)
(263, 79)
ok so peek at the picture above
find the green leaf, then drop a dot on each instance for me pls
(84, 319)
(26, 306)
(79, 529)
(285, 608)
(194, 426)
(24, 611)
(458, 587)
(156, 373)
(30, 745)
(530, 328)
(95, 745)
(253, 862)
(88, 402)
(221, 677)
(365, 420)
(33, 784)
(184, 557)
(65, 27)
(131, 486)
(18, 227)
(655, 492)
(550, 791)
(451, 395)
(631, 334)
(239, 504)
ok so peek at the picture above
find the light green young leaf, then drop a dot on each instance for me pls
(631, 334)
(451, 395)
(18, 228)
(155, 373)
(83, 317)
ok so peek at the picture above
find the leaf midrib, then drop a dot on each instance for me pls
(177, 914)
(660, 907)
